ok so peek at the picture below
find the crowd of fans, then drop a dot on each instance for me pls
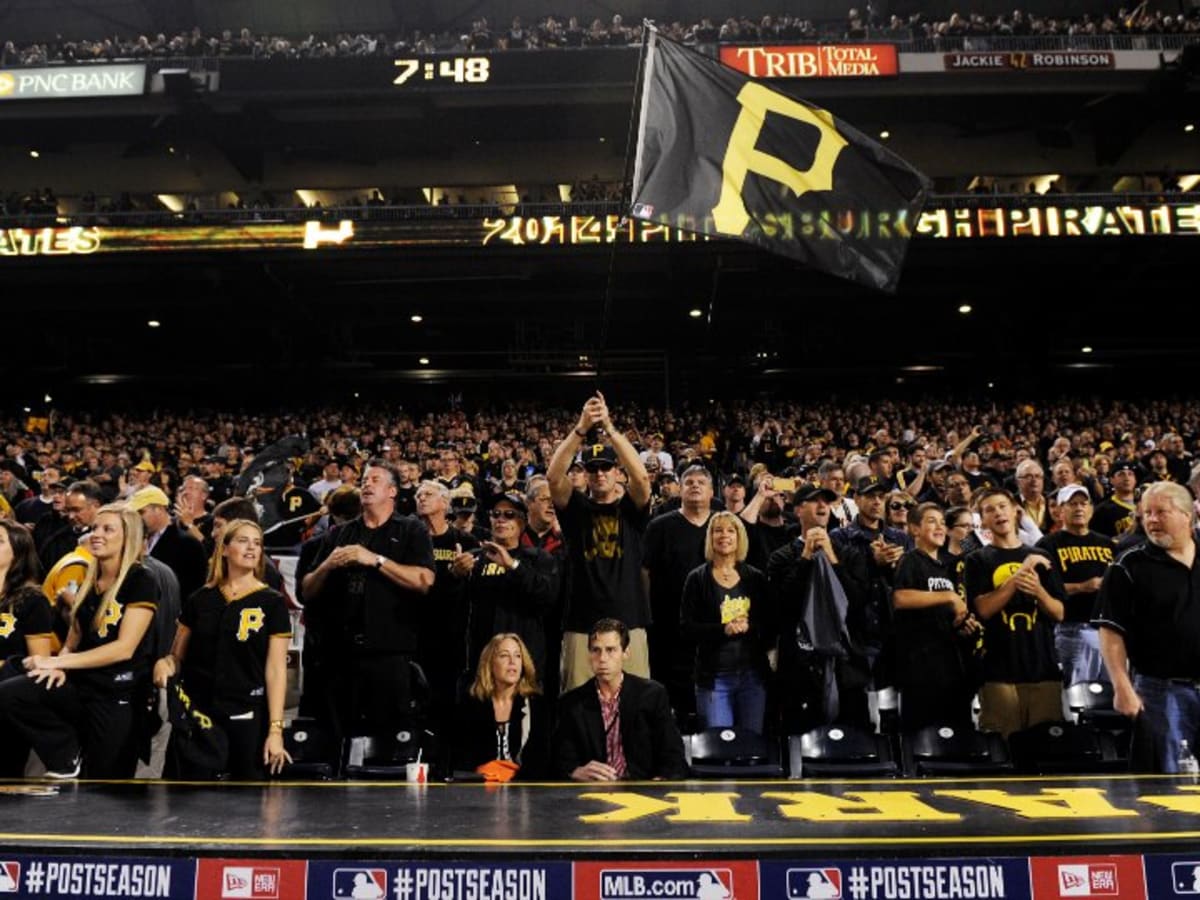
(552, 32)
(769, 563)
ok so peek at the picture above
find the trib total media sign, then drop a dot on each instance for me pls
(813, 60)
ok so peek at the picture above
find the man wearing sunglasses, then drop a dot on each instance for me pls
(512, 588)
(603, 529)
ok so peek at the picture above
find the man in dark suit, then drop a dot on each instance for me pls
(167, 542)
(617, 725)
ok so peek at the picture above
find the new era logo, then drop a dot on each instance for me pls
(1091, 880)
(249, 883)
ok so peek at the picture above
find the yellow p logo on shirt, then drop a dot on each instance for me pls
(252, 620)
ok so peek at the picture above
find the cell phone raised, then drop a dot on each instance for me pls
(787, 485)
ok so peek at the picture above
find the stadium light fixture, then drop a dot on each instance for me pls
(1085, 349)
(965, 309)
(33, 154)
(884, 135)
(417, 318)
(1189, 127)
(424, 360)
(695, 313)
(154, 323)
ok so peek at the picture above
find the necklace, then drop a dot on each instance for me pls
(231, 593)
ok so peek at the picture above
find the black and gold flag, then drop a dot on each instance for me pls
(728, 156)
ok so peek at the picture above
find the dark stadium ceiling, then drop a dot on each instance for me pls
(511, 320)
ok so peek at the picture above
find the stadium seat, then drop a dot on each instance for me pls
(384, 757)
(313, 749)
(732, 753)
(1091, 703)
(1065, 747)
(841, 751)
(950, 750)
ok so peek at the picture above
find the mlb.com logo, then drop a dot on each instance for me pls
(825, 883)
(360, 884)
(249, 883)
(638, 884)
(10, 877)
(1088, 880)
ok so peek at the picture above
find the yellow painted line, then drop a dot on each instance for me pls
(899, 783)
(845, 841)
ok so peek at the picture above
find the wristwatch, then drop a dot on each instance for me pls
(379, 561)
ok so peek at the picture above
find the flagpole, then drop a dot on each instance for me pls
(626, 196)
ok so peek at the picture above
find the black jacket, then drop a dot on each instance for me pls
(184, 555)
(475, 735)
(649, 737)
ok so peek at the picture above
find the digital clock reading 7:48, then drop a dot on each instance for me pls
(459, 69)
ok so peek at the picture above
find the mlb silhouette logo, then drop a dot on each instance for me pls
(359, 884)
(824, 883)
(1185, 877)
(10, 877)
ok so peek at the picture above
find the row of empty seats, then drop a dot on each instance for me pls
(1094, 739)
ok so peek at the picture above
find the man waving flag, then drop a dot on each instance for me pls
(728, 156)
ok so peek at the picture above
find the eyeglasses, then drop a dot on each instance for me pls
(899, 506)
(503, 513)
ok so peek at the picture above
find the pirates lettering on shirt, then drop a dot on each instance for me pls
(444, 554)
(937, 583)
(1068, 555)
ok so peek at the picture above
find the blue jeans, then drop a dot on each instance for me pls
(1171, 714)
(737, 699)
(1077, 646)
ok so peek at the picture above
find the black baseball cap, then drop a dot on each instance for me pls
(807, 492)
(870, 484)
(598, 456)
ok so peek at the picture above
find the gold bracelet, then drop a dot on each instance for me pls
(277, 724)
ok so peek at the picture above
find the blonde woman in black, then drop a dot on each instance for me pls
(79, 709)
(231, 651)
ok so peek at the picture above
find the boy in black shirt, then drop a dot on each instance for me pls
(934, 630)
(1018, 595)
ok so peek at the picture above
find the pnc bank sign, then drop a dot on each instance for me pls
(64, 82)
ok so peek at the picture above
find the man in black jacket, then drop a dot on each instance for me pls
(167, 542)
(616, 725)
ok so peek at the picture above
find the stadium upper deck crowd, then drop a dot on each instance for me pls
(769, 562)
(551, 32)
